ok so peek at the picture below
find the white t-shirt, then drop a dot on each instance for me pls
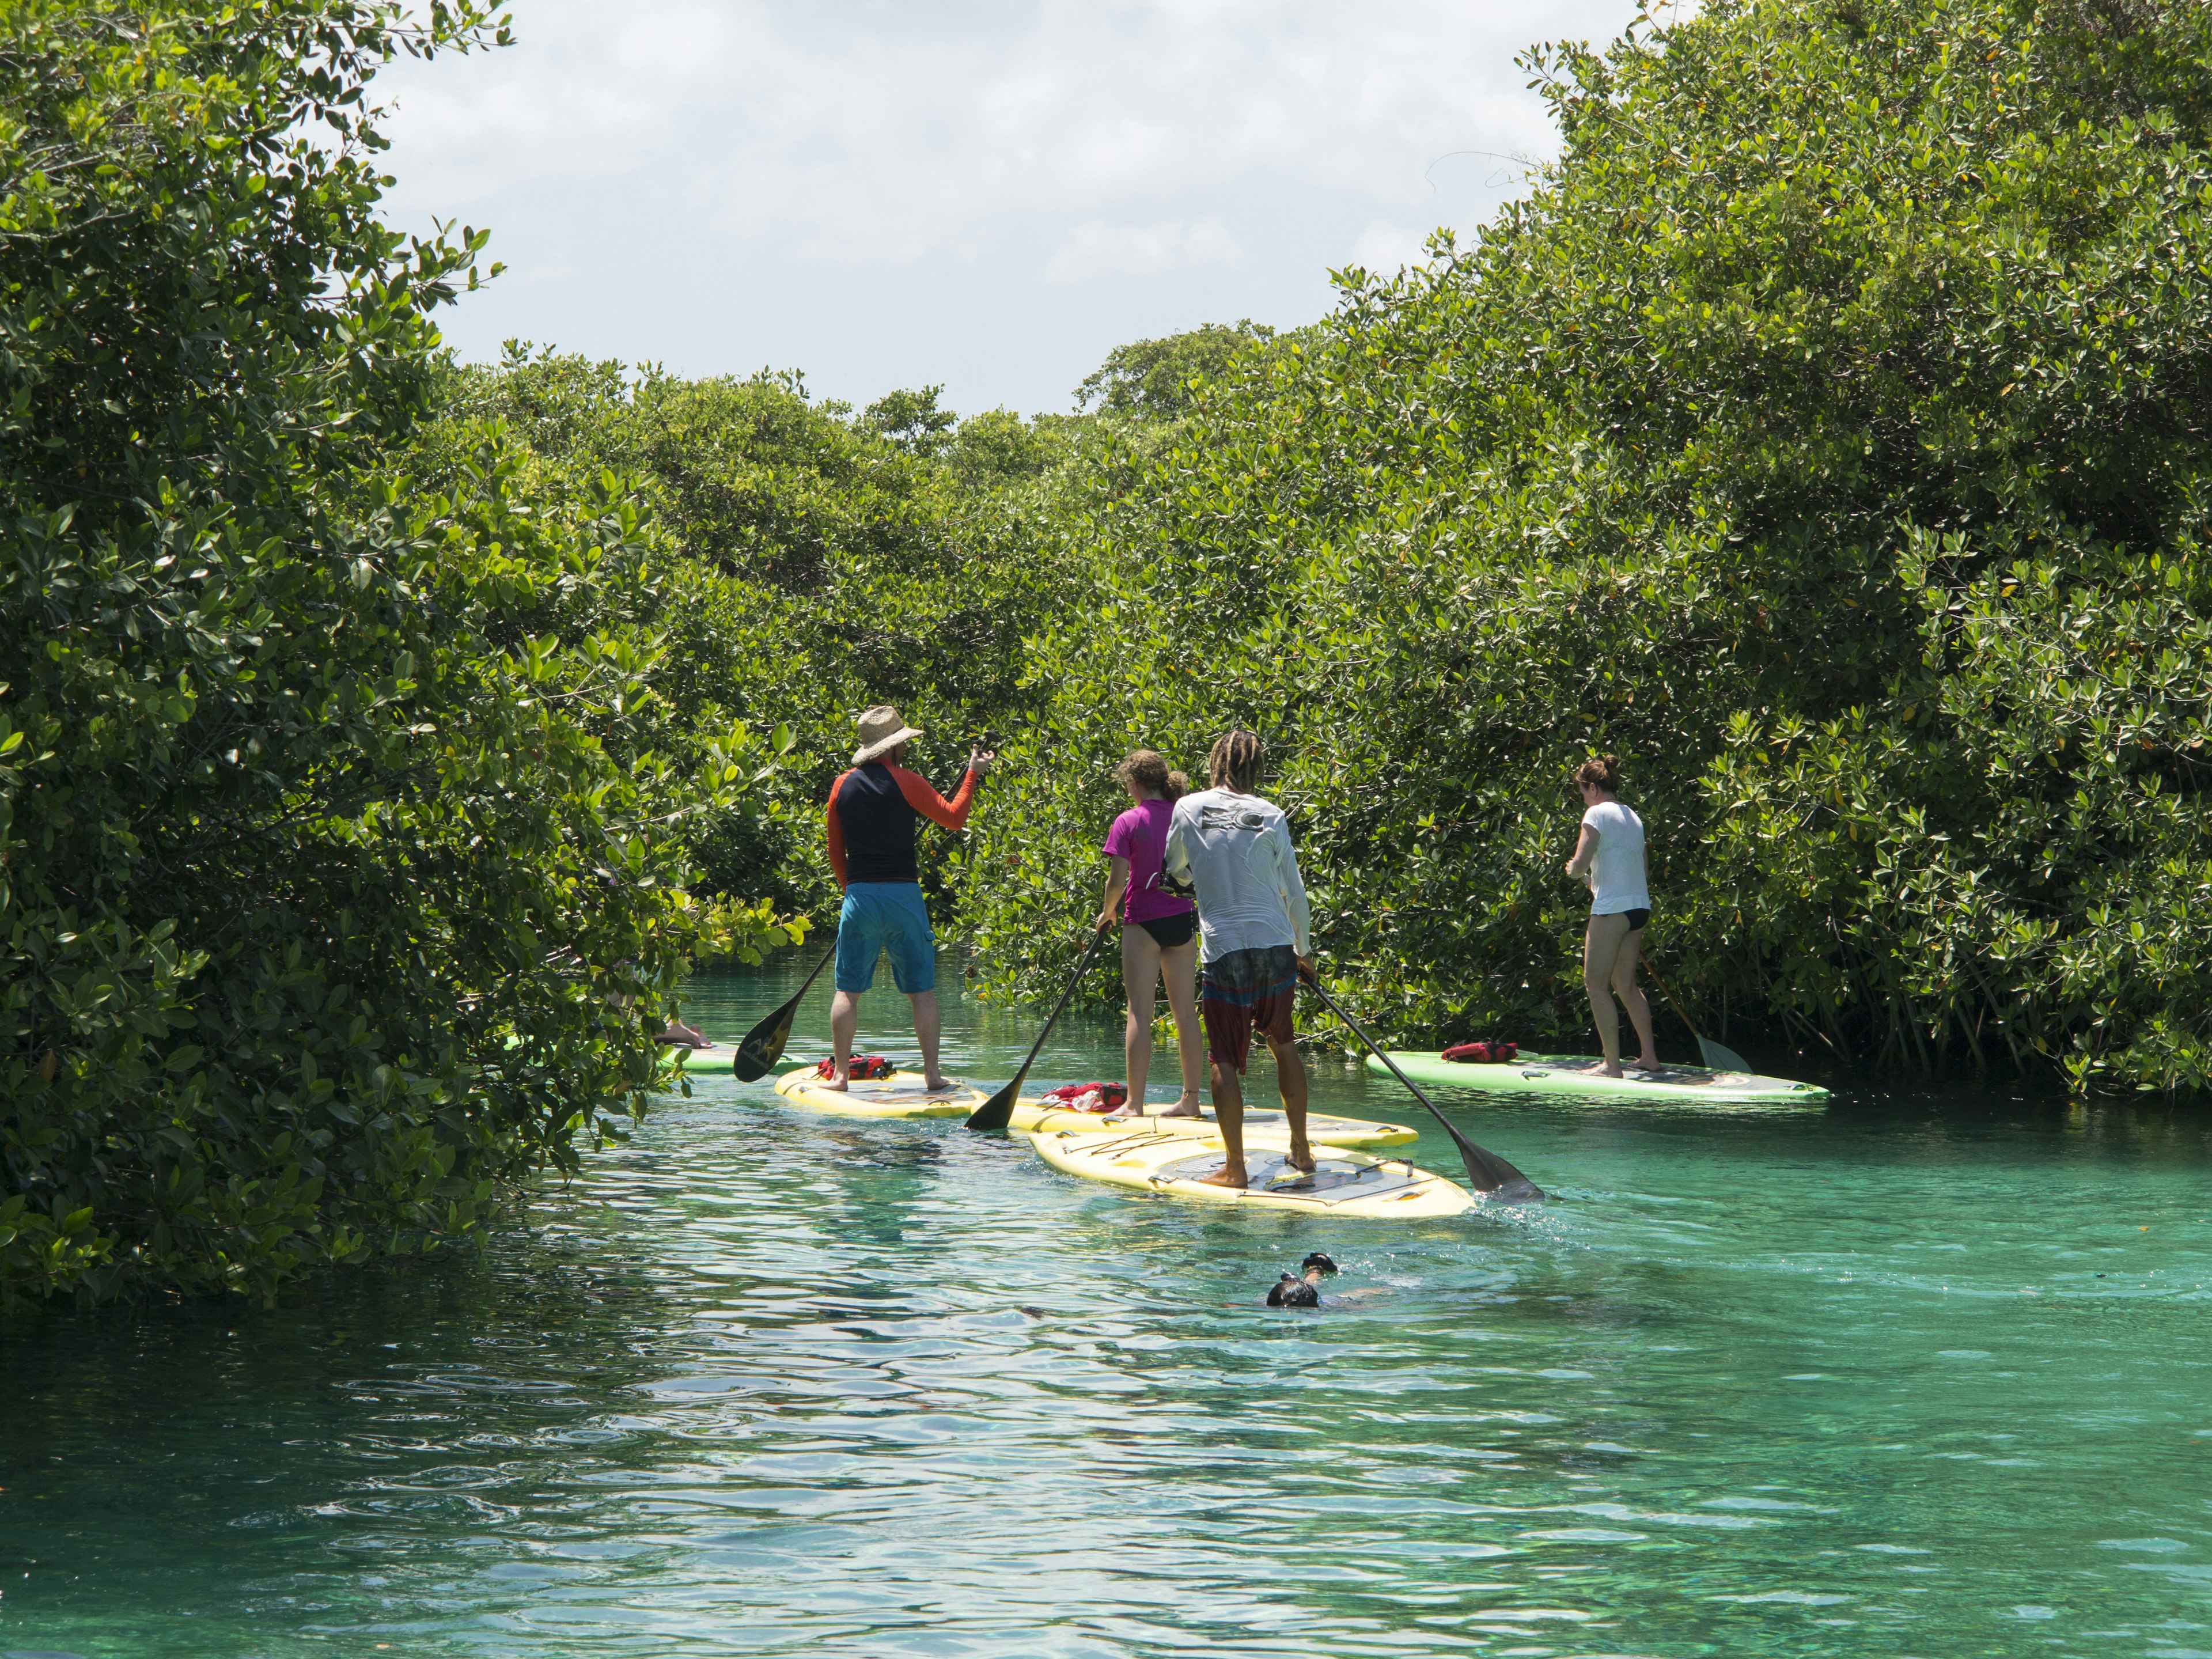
(1236, 850)
(1616, 871)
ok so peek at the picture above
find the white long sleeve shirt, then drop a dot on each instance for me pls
(1236, 850)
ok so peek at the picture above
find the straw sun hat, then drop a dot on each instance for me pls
(881, 729)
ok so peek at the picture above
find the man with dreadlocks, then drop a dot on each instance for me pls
(1234, 848)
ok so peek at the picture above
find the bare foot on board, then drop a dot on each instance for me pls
(1184, 1108)
(836, 1085)
(1614, 1069)
(1224, 1176)
(936, 1084)
(1302, 1158)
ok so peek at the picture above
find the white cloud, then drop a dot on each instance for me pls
(1096, 249)
(1384, 247)
(859, 132)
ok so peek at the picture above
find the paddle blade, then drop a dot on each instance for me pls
(1721, 1058)
(995, 1114)
(763, 1045)
(1497, 1181)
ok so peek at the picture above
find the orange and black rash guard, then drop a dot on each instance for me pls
(873, 816)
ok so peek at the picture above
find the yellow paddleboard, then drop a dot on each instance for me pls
(902, 1094)
(1036, 1117)
(1348, 1182)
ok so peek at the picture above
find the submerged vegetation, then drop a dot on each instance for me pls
(1826, 432)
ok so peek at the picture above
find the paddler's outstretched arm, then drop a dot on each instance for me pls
(925, 800)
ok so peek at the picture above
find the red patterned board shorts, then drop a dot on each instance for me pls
(1244, 991)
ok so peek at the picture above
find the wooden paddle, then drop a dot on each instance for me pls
(993, 1114)
(763, 1045)
(1487, 1173)
(1717, 1057)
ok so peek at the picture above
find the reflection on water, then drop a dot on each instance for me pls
(1906, 1374)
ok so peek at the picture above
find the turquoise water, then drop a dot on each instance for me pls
(1913, 1375)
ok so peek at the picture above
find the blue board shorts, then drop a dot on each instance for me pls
(880, 916)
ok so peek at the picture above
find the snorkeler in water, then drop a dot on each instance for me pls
(1302, 1289)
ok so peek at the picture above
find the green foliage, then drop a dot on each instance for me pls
(340, 883)
(912, 420)
(1826, 435)
(802, 565)
(1157, 380)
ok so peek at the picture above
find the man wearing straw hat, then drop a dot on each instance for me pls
(874, 816)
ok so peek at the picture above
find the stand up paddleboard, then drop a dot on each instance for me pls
(1346, 1182)
(1584, 1075)
(1037, 1117)
(902, 1094)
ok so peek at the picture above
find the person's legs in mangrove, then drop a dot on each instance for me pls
(1179, 969)
(1141, 980)
(1630, 994)
(1145, 965)
(1245, 991)
(1609, 950)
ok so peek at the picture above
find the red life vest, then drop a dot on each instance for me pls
(1483, 1053)
(1089, 1096)
(863, 1066)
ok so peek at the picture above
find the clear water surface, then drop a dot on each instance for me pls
(1916, 1374)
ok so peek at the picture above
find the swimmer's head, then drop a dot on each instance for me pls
(1317, 1264)
(1291, 1291)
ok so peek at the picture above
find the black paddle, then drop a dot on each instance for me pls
(993, 1114)
(1489, 1174)
(763, 1045)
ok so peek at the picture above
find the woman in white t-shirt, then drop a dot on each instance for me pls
(1609, 856)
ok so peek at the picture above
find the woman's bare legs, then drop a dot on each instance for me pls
(1632, 995)
(1140, 978)
(1179, 969)
(1601, 946)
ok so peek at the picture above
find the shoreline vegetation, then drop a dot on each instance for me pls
(383, 739)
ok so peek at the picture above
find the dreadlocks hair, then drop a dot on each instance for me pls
(1235, 760)
(1148, 770)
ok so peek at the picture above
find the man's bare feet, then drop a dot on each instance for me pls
(1648, 1064)
(836, 1085)
(1612, 1070)
(1187, 1107)
(1300, 1157)
(933, 1084)
(1224, 1176)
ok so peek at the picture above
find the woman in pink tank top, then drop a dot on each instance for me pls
(1159, 932)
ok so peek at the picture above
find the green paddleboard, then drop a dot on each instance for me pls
(1583, 1075)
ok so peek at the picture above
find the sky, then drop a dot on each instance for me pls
(987, 195)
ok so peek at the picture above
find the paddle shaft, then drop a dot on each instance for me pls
(994, 1113)
(776, 1029)
(1487, 1172)
(1716, 1057)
